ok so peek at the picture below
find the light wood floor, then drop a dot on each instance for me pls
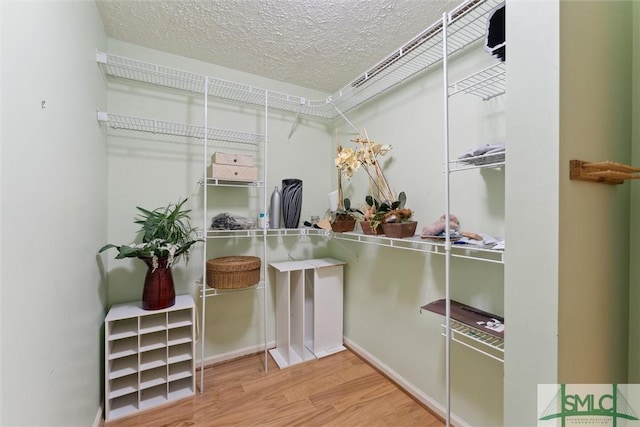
(338, 390)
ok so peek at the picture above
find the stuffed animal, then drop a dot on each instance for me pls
(439, 226)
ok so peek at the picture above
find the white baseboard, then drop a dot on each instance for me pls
(414, 391)
(224, 357)
(98, 421)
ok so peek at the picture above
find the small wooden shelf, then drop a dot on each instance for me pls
(606, 172)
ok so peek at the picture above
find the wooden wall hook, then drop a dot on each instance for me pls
(606, 172)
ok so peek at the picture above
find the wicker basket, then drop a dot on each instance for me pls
(233, 272)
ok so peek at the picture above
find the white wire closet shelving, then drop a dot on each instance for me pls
(477, 340)
(216, 182)
(212, 292)
(139, 124)
(467, 25)
(417, 244)
(478, 162)
(467, 327)
(486, 84)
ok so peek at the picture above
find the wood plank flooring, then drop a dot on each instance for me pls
(338, 390)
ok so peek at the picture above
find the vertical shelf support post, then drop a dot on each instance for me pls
(447, 246)
(204, 230)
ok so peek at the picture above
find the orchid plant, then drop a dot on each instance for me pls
(347, 165)
(382, 203)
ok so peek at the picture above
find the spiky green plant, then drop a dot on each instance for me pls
(166, 233)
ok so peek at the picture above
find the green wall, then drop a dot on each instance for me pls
(567, 266)
(595, 125)
(634, 231)
(54, 169)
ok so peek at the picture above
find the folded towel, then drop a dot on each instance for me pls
(487, 241)
(483, 149)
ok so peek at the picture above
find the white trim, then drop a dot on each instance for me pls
(414, 391)
(98, 421)
(224, 357)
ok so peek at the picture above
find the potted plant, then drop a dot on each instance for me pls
(344, 217)
(166, 236)
(371, 207)
(395, 219)
(382, 206)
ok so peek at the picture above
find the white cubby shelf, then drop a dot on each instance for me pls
(149, 356)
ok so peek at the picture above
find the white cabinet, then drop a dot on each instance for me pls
(149, 356)
(309, 297)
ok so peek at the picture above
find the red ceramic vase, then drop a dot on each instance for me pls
(158, 289)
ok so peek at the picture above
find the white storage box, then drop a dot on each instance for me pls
(233, 173)
(232, 159)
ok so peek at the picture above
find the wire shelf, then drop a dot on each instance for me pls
(475, 339)
(216, 182)
(219, 234)
(210, 292)
(463, 320)
(478, 253)
(270, 232)
(467, 24)
(493, 160)
(486, 84)
(139, 71)
(419, 244)
(139, 124)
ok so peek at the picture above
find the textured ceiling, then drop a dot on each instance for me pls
(319, 44)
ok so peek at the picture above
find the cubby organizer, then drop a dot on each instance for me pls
(309, 297)
(149, 356)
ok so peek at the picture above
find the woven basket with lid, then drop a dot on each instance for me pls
(233, 272)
